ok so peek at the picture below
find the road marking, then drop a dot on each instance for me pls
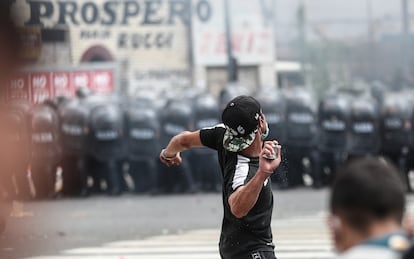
(303, 237)
(295, 255)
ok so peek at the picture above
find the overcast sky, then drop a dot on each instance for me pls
(339, 18)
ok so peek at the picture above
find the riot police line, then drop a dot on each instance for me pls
(110, 144)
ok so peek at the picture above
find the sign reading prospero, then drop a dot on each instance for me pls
(127, 24)
(150, 36)
(252, 33)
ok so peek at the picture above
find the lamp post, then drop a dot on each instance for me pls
(231, 60)
(405, 55)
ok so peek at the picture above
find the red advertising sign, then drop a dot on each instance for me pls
(61, 84)
(102, 81)
(19, 88)
(36, 87)
(40, 86)
(80, 79)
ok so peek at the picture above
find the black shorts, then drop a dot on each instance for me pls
(255, 255)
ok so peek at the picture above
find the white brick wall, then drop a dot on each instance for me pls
(54, 54)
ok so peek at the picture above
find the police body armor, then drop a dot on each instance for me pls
(334, 113)
(74, 135)
(46, 150)
(74, 127)
(364, 129)
(176, 117)
(301, 120)
(395, 125)
(301, 136)
(142, 133)
(106, 132)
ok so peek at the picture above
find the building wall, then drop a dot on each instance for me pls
(252, 37)
(147, 39)
(159, 45)
(54, 53)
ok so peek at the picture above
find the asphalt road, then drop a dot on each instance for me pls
(46, 227)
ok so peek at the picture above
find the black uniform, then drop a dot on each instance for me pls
(251, 236)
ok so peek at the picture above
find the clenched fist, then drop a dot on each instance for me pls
(271, 149)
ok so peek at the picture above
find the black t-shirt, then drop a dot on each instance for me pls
(252, 232)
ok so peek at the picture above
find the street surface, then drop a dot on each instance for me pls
(160, 227)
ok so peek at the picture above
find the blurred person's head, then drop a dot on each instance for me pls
(367, 201)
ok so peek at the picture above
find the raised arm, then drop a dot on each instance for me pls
(183, 141)
(245, 197)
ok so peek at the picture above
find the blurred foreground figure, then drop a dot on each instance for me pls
(246, 163)
(15, 156)
(9, 49)
(367, 205)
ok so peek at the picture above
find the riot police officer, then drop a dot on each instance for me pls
(142, 132)
(364, 134)
(74, 130)
(46, 150)
(301, 127)
(105, 143)
(333, 120)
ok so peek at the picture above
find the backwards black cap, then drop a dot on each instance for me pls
(241, 118)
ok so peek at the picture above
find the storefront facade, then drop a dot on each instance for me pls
(157, 45)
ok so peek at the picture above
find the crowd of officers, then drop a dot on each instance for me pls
(111, 144)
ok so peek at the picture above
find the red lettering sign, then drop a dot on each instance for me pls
(102, 81)
(37, 87)
(40, 87)
(62, 85)
(80, 79)
(19, 88)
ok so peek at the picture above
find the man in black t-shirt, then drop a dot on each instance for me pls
(246, 164)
